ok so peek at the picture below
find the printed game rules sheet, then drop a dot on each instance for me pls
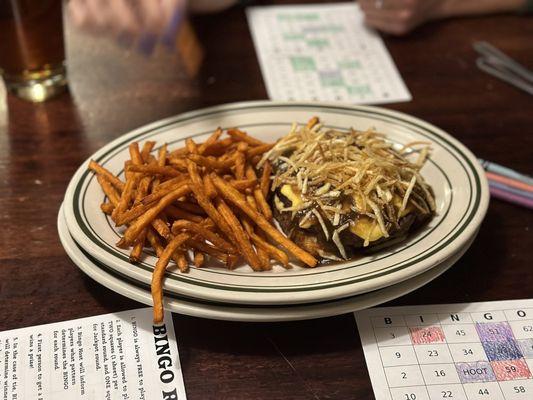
(112, 356)
(477, 351)
(323, 52)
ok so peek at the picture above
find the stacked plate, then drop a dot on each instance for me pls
(461, 192)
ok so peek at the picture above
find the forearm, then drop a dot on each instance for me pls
(453, 8)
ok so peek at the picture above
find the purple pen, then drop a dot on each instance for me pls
(511, 198)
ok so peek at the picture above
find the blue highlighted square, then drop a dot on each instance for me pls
(494, 331)
(500, 350)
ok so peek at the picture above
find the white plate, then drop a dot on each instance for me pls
(197, 308)
(454, 173)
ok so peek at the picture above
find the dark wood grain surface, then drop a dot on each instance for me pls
(114, 89)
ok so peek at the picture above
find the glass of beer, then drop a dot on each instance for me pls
(32, 51)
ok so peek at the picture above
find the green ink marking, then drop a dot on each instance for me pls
(350, 64)
(331, 80)
(319, 43)
(293, 36)
(302, 63)
(360, 90)
(298, 17)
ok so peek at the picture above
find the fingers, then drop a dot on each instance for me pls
(367, 5)
(397, 17)
(126, 20)
(397, 22)
(149, 21)
(388, 25)
(174, 11)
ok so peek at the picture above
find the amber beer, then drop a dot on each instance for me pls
(32, 49)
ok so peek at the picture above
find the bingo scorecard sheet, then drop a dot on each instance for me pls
(476, 351)
(323, 52)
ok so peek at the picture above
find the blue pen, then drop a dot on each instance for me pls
(169, 36)
(508, 172)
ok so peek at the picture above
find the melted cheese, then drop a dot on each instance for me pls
(366, 228)
(397, 202)
(296, 200)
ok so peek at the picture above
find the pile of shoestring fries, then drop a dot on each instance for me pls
(198, 202)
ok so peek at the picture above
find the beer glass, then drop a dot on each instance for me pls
(32, 52)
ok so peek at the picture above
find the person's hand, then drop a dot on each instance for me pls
(399, 17)
(402, 16)
(150, 21)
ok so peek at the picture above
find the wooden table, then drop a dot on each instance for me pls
(113, 90)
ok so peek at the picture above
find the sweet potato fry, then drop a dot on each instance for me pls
(240, 161)
(241, 239)
(259, 150)
(107, 208)
(132, 214)
(258, 195)
(199, 259)
(142, 222)
(155, 170)
(209, 250)
(262, 203)
(178, 213)
(162, 156)
(159, 273)
(204, 201)
(239, 135)
(170, 182)
(108, 190)
(142, 189)
(212, 162)
(273, 251)
(210, 141)
(243, 184)
(147, 148)
(237, 199)
(161, 227)
(210, 210)
(154, 241)
(184, 225)
(127, 195)
(265, 179)
(135, 254)
(191, 146)
(135, 154)
(117, 183)
(178, 153)
(242, 147)
(312, 122)
(161, 162)
(218, 148)
(178, 163)
(181, 260)
(262, 255)
(190, 207)
(209, 187)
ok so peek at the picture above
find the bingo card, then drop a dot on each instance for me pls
(477, 351)
(323, 52)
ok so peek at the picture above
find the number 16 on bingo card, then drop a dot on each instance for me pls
(455, 352)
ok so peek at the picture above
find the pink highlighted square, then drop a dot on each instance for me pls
(511, 369)
(426, 335)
